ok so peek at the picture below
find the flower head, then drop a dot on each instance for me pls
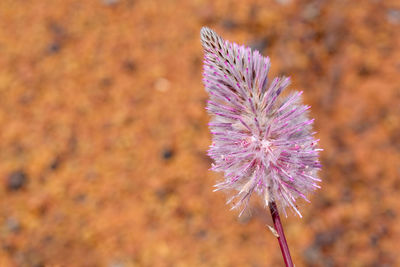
(262, 141)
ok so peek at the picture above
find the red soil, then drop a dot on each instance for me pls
(104, 133)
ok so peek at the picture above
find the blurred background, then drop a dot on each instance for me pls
(104, 133)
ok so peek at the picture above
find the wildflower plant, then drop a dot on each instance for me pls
(262, 141)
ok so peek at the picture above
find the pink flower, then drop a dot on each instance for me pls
(262, 141)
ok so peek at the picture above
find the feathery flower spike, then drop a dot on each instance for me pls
(262, 142)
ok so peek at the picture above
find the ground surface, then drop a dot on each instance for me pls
(104, 133)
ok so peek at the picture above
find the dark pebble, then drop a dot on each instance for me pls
(244, 237)
(391, 214)
(110, 2)
(129, 66)
(55, 164)
(314, 256)
(364, 71)
(259, 44)
(12, 225)
(373, 240)
(347, 195)
(164, 192)
(201, 234)
(393, 16)
(106, 82)
(30, 258)
(16, 180)
(54, 48)
(167, 153)
(80, 198)
(229, 24)
(327, 238)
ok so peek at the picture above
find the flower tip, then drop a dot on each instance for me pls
(205, 32)
(204, 29)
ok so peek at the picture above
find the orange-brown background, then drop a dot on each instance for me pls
(104, 133)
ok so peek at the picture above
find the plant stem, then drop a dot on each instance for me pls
(281, 235)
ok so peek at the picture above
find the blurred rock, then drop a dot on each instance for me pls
(110, 2)
(201, 234)
(12, 225)
(229, 24)
(129, 65)
(393, 16)
(314, 255)
(347, 195)
(29, 258)
(117, 263)
(283, 2)
(16, 180)
(167, 153)
(311, 11)
(55, 164)
(259, 44)
(54, 47)
(163, 193)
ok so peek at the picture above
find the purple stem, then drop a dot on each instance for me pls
(281, 235)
